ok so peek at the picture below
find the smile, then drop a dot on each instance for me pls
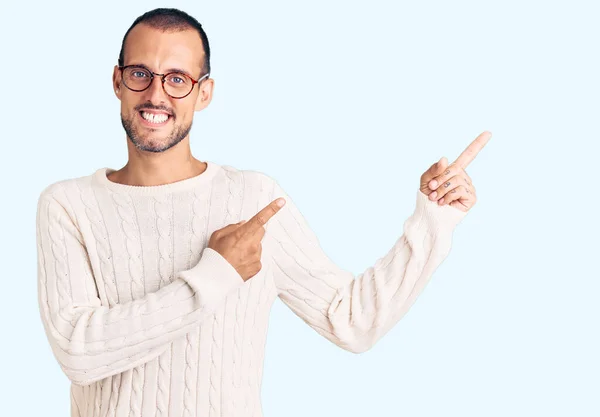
(154, 119)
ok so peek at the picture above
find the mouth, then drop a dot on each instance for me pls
(153, 119)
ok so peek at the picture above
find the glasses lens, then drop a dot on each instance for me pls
(178, 84)
(136, 78)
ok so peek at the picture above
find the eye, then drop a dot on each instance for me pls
(138, 73)
(177, 79)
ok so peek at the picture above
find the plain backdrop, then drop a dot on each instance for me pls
(346, 103)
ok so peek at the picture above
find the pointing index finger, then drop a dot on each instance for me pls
(262, 217)
(473, 149)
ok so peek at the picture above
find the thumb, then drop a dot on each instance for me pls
(441, 165)
(238, 224)
(233, 225)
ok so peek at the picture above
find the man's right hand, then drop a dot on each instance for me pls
(240, 243)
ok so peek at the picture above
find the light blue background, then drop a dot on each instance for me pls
(346, 104)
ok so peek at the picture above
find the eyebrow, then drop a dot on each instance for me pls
(178, 70)
(167, 70)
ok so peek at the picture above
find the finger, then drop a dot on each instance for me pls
(255, 236)
(239, 224)
(463, 205)
(447, 186)
(467, 179)
(450, 172)
(464, 201)
(459, 193)
(432, 172)
(259, 234)
(473, 149)
(262, 217)
(230, 226)
(435, 169)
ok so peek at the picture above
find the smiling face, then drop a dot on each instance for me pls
(152, 119)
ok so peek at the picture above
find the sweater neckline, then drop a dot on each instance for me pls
(100, 177)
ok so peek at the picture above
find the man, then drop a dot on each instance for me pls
(156, 280)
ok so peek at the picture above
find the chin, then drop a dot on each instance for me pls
(154, 140)
(151, 144)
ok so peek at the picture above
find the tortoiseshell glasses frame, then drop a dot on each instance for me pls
(178, 84)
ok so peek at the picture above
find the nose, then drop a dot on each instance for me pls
(155, 92)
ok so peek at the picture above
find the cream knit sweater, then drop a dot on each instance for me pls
(145, 320)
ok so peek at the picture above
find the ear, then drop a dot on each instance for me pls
(205, 93)
(116, 79)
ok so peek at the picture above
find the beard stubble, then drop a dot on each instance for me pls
(178, 133)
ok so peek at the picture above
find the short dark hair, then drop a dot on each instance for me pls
(168, 19)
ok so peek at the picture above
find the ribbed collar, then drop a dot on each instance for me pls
(100, 178)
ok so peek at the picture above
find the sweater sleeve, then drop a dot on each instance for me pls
(92, 341)
(354, 312)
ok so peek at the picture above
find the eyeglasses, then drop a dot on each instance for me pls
(175, 84)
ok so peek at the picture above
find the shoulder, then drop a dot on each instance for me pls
(64, 190)
(250, 178)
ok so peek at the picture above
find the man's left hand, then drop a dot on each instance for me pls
(450, 184)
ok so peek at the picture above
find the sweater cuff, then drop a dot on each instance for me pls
(438, 219)
(212, 278)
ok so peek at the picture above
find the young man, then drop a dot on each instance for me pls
(156, 280)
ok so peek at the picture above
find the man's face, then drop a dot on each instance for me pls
(142, 112)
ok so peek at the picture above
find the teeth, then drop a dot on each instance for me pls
(155, 118)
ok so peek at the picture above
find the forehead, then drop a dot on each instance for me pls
(162, 50)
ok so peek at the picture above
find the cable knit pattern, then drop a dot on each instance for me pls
(99, 231)
(145, 319)
(198, 226)
(236, 195)
(131, 232)
(165, 246)
(130, 229)
(114, 395)
(97, 391)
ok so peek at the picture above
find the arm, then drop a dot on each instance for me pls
(355, 312)
(92, 341)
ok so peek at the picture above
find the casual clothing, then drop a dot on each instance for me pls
(146, 320)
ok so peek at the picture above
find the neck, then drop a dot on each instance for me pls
(148, 169)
